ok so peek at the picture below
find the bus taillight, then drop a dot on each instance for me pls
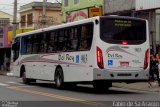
(100, 58)
(146, 60)
(124, 43)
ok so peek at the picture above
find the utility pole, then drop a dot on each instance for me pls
(14, 19)
(152, 29)
(43, 21)
(103, 6)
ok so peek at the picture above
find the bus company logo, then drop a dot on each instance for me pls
(115, 56)
(66, 57)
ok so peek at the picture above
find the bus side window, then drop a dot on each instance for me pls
(68, 45)
(67, 40)
(83, 45)
(61, 40)
(50, 39)
(40, 43)
(42, 46)
(29, 45)
(23, 45)
(74, 38)
(86, 37)
(35, 44)
(50, 47)
(89, 36)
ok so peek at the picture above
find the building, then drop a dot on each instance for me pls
(73, 10)
(6, 35)
(5, 20)
(5, 25)
(31, 15)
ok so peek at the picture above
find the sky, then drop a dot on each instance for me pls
(7, 5)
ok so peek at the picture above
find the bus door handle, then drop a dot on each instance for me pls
(44, 65)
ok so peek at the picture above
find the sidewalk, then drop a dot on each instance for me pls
(2, 72)
(143, 86)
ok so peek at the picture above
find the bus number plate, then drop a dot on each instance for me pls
(124, 64)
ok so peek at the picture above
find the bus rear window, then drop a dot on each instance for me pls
(118, 30)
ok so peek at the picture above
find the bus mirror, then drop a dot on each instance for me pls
(97, 22)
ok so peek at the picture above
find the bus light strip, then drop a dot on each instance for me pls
(56, 62)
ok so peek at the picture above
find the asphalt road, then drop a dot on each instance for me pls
(44, 94)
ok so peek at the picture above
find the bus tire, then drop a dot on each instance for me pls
(59, 78)
(101, 85)
(25, 80)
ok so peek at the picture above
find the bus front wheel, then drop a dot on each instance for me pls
(25, 80)
(59, 78)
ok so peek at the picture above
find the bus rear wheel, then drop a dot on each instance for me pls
(102, 85)
(59, 78)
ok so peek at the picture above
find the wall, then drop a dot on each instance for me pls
(147, 4)
(3, 39)
(82, 5)
(6, 15)
(112, 6)
(52, 16)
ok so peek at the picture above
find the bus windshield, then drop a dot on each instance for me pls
(118, 30)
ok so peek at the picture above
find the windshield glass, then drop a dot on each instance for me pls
(116, 31)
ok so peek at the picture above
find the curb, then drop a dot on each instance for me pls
(148, 89)
(4, 72)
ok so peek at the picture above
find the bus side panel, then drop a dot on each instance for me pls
(15, 67)
(40, 67)
(82, 69)
(49, 70)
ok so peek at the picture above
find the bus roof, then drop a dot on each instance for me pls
(74, 24)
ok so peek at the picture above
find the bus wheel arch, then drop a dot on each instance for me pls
(22, 70)
(25, 80)
(59, 77)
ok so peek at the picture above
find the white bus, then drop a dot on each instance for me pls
(98, 50)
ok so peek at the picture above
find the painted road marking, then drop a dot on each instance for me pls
(24, 86)
(15, 83)
(2, 84)
(65, 98)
